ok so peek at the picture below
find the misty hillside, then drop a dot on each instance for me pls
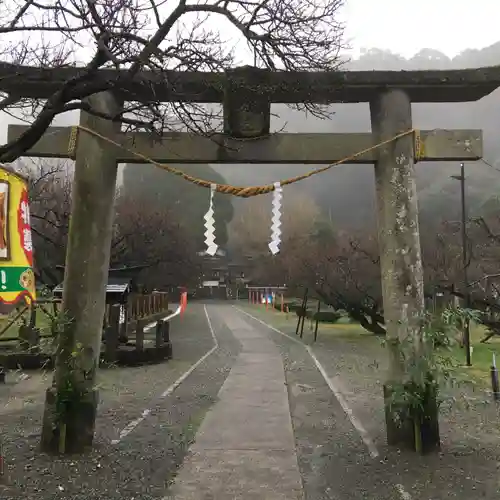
(347, 191)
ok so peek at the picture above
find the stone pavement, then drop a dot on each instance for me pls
(245, 447)
(140, 465)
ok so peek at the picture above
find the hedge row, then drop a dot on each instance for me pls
(292, 306)
(322, 316)
(325, 316)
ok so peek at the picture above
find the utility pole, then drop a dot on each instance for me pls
(466, 332)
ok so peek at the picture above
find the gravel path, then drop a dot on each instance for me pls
(142, 464)
(334, 461)
(245, 447)
(466, 468)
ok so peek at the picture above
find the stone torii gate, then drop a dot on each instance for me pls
(247, 94)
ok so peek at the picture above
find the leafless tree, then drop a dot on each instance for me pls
(50, 206)
(346, 276)
(343, 269)
(442, 256)
(443, 260)
(250, 232)
(100, 45)
(148, 237)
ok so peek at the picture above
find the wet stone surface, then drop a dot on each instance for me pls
(333, 460)
(143, 463)
(245, 447)
(469, 461)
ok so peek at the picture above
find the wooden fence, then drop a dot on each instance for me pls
(127, 324)
(124, 329)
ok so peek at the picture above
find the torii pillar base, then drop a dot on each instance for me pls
(77, 435)
(403, 433)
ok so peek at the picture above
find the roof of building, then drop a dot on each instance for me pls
(115, 285)
(220, 252)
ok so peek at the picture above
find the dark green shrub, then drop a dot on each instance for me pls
(325, 316)
(300, 311)
(289, 305)
(293, 307)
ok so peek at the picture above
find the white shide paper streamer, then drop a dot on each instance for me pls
(274, 245)
(210, 224)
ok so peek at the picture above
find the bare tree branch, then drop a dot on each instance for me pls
(155, 36)
(148, 236)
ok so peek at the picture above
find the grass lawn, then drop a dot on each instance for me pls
(42, 322)
(353, 332)
(481, 356)
(344, 327)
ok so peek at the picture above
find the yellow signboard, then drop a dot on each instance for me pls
(17, 279)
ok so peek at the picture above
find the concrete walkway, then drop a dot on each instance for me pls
(245, 446)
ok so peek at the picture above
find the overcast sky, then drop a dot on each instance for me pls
(406, 26)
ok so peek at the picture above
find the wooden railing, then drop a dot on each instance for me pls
(25, 319)
(126, 324)
(124, 330)
(133, 344)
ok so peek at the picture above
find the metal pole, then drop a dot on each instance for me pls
(2, 460)
(305, 312)
(299, 317)
(495, 389)
(466, 326)
(464, 256)
(317, 321)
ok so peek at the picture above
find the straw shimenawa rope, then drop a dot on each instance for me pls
(241, 191)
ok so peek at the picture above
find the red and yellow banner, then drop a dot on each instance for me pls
(17, 279)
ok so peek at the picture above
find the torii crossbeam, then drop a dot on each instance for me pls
(319, 148)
